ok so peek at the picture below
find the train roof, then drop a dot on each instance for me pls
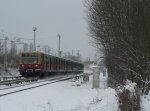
(54, 56)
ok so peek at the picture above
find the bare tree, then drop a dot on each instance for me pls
(122, 27)
(12, 56)
(1, 51)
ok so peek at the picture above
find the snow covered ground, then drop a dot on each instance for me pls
(145, 102)
(71, 95)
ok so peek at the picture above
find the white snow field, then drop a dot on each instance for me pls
(145, 102)
(70, 95)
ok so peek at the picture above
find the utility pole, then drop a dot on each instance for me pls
(34, 29)
(59, 51)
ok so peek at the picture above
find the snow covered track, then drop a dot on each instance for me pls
(10, 78)
(21, 81)
(17, 81)
(31, 86)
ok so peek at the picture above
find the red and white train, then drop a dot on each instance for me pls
(38, 64)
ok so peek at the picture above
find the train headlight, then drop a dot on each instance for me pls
(22, 65)
(36, 65)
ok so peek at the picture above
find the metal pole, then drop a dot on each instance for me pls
(34, 42)
(59, 42)
(34, 29)
(59, 52)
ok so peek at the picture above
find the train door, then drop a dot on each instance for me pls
(42, 61)
(46, 62)
(62, 65)
(54, 64)
(50, 63)
(58, 64)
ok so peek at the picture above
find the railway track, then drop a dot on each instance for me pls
(9, 84)
(23, 87)
(17, 81)
(9, 78)
(32, 87)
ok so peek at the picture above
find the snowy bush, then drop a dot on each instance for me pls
(129, 99)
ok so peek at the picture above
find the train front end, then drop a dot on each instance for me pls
(30, 64)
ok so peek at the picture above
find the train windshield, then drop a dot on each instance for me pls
(29, 59)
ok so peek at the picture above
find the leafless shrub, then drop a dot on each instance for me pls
(122, 27)
(128, 102)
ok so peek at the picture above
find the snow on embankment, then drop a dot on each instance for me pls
(9, 72)
(131, 87)
(70, 95)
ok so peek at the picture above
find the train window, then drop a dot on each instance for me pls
(45, 58)
(27, 60)
(62, 66)
(59, 64)
(25, 55)
(32, 54)
(42, 60)
(55, 63)
(50, 62)
(35, 61)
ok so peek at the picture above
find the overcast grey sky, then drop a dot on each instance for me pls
(67, 17)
